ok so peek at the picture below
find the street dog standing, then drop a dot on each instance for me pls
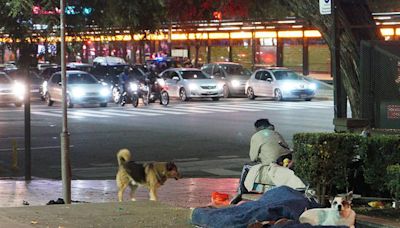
(151, 175)
(340, 213)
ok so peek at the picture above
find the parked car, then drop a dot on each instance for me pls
(83, 88)
(80, 66)
(233, 76)
(187, 83)
(279, 83)
(11, 91)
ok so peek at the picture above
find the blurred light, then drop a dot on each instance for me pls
(218, 35)
(235, 83)
(241, 35)
(290, 34)
(229, 28)
(312, 33)
(265, 34)
(287, 22)
(398, 31)
(387, 31)
(207, 29)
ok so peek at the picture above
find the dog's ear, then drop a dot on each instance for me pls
(331, 200)
(349, 196)
(171, 166)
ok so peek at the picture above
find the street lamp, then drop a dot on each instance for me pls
(64, 136)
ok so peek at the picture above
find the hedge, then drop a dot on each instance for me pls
(323, 160)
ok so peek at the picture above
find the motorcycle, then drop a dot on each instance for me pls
(159, 91)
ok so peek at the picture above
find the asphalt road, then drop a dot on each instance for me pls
(204, 138)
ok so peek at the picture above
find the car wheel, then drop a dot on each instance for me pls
(69, 102)
(278, 95)
(182, 95)
(308, 99)
(135, 101)
(103, 104)
(116, 95)
(226, 92)
(48, 99)
(215, 98)
(18, 104)
(164, 98)
(250, 93)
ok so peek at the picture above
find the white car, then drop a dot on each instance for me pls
(11, 91)
(279, 83)
(82, 88)
(187, 83)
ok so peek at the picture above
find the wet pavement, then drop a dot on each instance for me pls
(187, 192)
(95, 204)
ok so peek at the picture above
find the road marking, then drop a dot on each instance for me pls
(157, 111)
(206, 109)
(189, 110)
(186, 159)
(81, 113)
(54, 115)
(228, 156)
(36, 148)
(115, 113)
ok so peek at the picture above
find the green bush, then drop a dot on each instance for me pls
(380, 152)
(393, 183)
(323, 160)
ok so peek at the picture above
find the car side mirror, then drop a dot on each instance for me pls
(175, 78)
(269, 79)
(60, 83)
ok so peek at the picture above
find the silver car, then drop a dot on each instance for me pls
(11, 91)
(82, 88)
(187, 83)
(279, 83)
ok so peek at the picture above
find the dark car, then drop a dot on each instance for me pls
(233, 75)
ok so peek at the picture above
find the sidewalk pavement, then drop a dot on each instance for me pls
(94, 204)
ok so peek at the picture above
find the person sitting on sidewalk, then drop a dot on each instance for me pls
(269, 154)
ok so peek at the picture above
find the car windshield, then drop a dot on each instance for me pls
(286, 75)
(116, 70)
(81, 78)
(236, 70)
(193, 74)
(4, 79)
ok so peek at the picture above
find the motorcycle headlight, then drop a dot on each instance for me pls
(235, 83)
(78, 92)
(161, 82)
(192, 86)
(133, 86)
(104, 92)
(288, 86)
(19, 89)
(313, 86)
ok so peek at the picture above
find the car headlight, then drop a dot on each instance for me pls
(104, 92)
(133, 86)
(235, 83)
(288, 86)
(192, 86)
(313, 86)
(78, 92)
(19, 89)
(220, 86)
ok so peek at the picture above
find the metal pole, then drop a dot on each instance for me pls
(340, 97)
(27, 111)
(65, 161)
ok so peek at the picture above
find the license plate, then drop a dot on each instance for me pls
(303, 96)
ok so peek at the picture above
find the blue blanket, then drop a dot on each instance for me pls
(280, 202)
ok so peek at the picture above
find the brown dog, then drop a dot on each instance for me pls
(151, 175)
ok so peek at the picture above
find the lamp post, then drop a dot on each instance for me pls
(64, 136)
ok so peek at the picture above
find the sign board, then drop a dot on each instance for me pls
(389, 115)
(325, 7)
(179, 53)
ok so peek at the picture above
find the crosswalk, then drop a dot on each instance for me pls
(183, 109)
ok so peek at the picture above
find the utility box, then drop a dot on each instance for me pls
(380, 83)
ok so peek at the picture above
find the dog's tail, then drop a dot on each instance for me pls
(123, 155)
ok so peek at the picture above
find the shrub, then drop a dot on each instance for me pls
(324, 160)
(393, 183)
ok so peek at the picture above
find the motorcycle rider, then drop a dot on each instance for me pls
(123, 82)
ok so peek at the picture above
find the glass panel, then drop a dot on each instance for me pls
(242, 55)
(266, 52)
(319, 56)
(219, 54)
(293, 54)
(202, 56)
